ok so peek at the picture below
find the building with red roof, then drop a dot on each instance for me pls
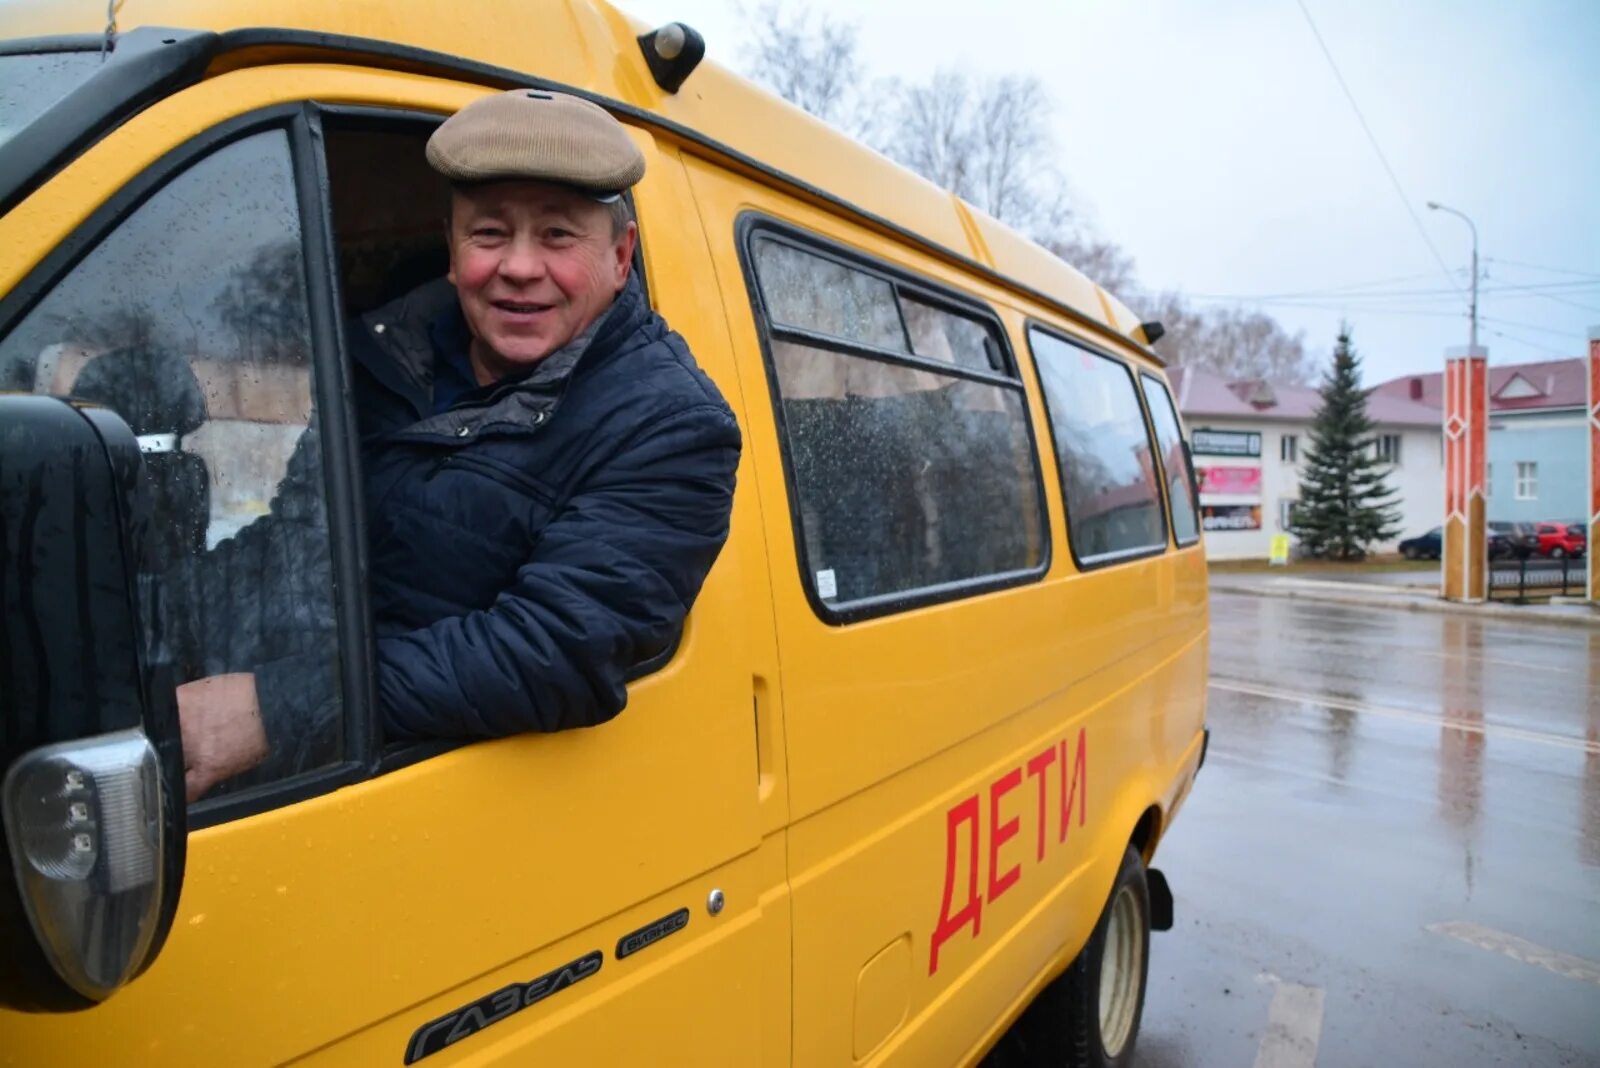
(1538, 469)
(1249, 438)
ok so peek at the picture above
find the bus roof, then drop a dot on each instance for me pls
(590, 45)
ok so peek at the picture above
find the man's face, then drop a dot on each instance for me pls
(533, 264)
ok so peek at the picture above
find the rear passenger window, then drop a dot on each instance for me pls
(911, 467)
(949, 338)
(1180, 476)
(827, 297)
(1108, 465)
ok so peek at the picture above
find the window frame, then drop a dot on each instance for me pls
(1119, 556)
(752, 226)
(1525, 485)
(1166, 479)
(1289, 449)
(392, 756)
(301, 124)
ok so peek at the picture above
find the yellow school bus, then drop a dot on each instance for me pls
(892, 797)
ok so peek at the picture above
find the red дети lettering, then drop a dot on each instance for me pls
(972, 912)
(1001, 833)
(1073, 797)
(1077, 789)
(1040, 766)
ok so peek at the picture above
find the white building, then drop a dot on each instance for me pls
(1249, 439)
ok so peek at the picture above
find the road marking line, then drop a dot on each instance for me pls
(1407, 715)
(1520, 949)
(1543, 669)
(1294, 1027)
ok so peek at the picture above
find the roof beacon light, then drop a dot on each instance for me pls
(672, 53)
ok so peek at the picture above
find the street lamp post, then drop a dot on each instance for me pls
(1465, 572)
(1434, 205)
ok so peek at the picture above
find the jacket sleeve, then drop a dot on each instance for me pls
(608, 584)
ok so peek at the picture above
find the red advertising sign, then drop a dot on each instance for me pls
(1242, 480)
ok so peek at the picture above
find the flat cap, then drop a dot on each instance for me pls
(539, 135)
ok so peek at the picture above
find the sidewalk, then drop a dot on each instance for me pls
(1415, 599)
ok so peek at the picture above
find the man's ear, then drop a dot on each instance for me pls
(624, 253)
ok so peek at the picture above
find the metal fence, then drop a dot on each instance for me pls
(1519, 580)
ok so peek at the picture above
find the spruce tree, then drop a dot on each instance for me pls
(1345, 504)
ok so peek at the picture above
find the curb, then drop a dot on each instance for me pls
(1417, 604)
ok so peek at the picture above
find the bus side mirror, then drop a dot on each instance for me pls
(92, 818)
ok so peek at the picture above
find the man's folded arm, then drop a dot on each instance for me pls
(611, 578)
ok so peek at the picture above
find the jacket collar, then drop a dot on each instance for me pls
(405, 332)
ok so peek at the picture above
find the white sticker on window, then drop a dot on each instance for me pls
(826, 586)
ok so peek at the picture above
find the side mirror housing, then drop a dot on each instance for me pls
(92, 820)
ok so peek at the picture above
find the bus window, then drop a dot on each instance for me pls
(189, 320)
(911, 465)
(1108, 465)
(1180, 475)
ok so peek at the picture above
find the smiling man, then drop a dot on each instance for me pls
(549, 476)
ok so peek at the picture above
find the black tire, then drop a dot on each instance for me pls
(1061, 1028)
(1409, 552)
(1557, 553)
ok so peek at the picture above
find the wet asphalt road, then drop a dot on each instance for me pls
(1392, 855)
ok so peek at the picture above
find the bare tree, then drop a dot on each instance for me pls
(1106, 263)
(988, 141)
(1233, 342)
(811, 61)
(262, 305)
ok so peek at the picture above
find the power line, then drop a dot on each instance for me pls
(1405, 200)
(1558, 300)
(1329, 289)
(1528, 326)
(1329, 305)
(1531, 344)
(1564, 287)
(1539, 267)
(1341, 294)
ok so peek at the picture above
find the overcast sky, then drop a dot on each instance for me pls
(1211, 139)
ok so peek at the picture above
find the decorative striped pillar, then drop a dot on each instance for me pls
(1594, 459)
(1466, 441)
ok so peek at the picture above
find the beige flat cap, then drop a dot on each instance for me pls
(531, 133)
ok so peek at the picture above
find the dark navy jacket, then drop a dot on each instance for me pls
(538, 539)
(530, 545)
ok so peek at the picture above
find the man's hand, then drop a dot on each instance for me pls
(222, 732)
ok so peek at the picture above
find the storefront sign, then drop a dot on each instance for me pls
(1241, 480)
(1225, 443)
(1224, 517)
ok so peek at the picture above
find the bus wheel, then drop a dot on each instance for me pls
(1089, 1016)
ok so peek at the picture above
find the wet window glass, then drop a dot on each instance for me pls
(190, 321)
(827, 297)
(945, 336)
(904, 479)
(1175, 462)
(1108, 467)
(31, 83)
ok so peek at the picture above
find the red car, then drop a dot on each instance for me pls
(1561, 539)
